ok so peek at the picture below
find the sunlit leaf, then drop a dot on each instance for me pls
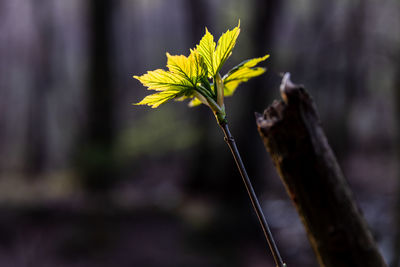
(161, 80)
(225, 45)
(247, 63)
(159, 98)
(179, 81)
(195, 102)
(216, 55)
(199, 67)
(182, 98)
(242, 73)
(206, 49)
(191, 68)
(187, 77)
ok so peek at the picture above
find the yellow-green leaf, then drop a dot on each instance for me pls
(247, 63)
(194, 102)
(216, 55)
(242, 73)
(191, 68)
(186, 77)
(206, 49)
(199, 69)
(180, 81)
(254, 61)
(161, 80)
(159, 98)
(226, 43)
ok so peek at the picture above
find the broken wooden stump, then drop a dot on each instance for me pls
(293, 136)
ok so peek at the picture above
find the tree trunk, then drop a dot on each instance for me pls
(95, 159)
(293, 136)
(37, 147)
(395, 261)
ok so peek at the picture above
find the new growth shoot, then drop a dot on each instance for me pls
(197, 77)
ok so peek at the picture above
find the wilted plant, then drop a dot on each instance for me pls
(197, 77)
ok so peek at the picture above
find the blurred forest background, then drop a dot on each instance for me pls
(87, 179)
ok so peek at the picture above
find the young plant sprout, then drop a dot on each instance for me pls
(197, 77)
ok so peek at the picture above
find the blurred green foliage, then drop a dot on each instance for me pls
(156, 133)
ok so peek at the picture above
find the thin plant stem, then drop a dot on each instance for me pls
(253, 197)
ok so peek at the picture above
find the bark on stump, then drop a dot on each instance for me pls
(293, 136)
